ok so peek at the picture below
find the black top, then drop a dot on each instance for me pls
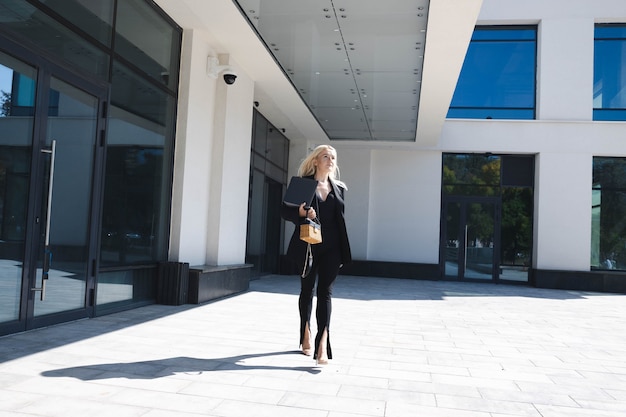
(334, 233)
(326, 213)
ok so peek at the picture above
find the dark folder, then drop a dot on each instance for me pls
(300, 190)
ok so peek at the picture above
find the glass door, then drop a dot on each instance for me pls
(49, 127)
(264, 224)
(66, 175)
(18, 83)
(470, 244)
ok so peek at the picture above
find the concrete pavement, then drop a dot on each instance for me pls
(401, 348)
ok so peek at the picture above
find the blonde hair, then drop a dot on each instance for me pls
(307, 166)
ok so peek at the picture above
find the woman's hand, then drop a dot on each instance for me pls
(309, 214)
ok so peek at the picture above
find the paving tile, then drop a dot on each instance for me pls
(332, 403)
(541, 397)
(166, 402)
(401, 347)
(555, 411)
(230, 408)
(508, 407)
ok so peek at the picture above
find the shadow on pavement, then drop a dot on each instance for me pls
(373, 288)
(171, 366)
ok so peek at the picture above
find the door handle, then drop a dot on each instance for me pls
(465, 250)
(47, 252)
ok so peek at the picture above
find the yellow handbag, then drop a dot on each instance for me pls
(311, 231)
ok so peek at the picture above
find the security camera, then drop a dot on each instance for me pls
(214, 68)
(230, 77)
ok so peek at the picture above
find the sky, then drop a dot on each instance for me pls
(6, 77)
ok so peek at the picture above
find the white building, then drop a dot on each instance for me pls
(481, 140)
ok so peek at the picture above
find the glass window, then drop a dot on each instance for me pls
(608, 211)
(497, 80)
(516, 229)
(26, 21)
(16, 135)
(276, 147)
(259, 135)
(146, 39)
(139, 96)
(92, 16)
(609, 84)
(268, 177)
(270, 148)
(138, 170)
(507, 179)
(118, 289)
(471, 174)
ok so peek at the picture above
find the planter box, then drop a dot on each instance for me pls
(207, 282)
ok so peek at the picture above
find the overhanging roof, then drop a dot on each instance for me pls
(384, 73)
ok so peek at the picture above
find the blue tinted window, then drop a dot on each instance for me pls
(497, 80)
(609, 84)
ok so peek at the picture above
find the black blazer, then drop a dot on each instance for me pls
(297, 248)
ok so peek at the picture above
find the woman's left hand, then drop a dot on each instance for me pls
(309, 214)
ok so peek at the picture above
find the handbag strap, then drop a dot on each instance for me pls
(308, 261)
(317, 211)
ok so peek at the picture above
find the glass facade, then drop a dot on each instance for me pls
(54, 39)
(609, 80)
(471, 174)
(608, 214)
(139, 154)
(148, 41)
(88, 93)
(17, 86)
(498, 79)
(94, 17)
(487, 218)
(268, 179)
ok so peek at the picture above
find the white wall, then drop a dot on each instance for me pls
(563, 211)
(565, 69)
(404, 202)
(392, 202)
(355, 167)
(211, 168)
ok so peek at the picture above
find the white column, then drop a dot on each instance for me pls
(230, 170)
(192, 157)
(565, 78)
(212, 160)
(563, 211)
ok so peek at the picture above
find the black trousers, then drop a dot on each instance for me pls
(326, 264)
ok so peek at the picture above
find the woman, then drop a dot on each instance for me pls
(328, 256)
